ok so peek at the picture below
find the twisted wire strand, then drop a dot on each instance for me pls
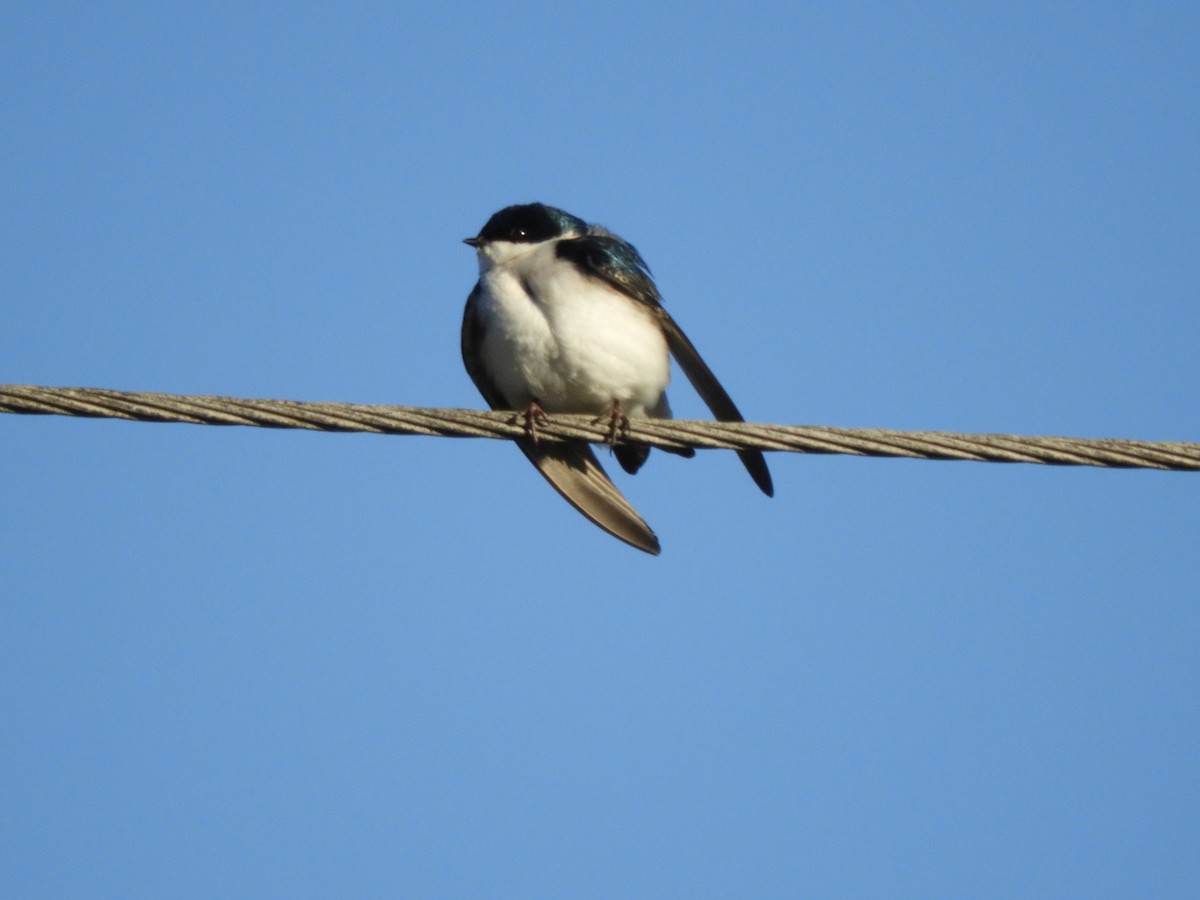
(665, 433)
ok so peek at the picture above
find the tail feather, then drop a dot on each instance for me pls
(574, 471)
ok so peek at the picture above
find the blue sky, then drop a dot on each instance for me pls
(238, 662)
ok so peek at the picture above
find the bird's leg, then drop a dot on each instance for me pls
(533, 416)
(618, 423)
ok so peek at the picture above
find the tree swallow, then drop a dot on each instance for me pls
(565, 318)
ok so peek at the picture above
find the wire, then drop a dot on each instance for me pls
(665, 433)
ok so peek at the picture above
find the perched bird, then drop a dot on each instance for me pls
(565, 318)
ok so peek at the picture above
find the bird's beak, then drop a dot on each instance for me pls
(474, 242)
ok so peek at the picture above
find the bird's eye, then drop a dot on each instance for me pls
(519, 233)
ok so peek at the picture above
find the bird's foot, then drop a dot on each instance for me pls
(533, 416)
(618, 423)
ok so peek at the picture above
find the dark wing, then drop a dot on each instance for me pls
(608, 258)
(711, 392)
(612, 260)
(571, 468)
(472, 341)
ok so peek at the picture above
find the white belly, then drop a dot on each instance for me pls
(570, 342)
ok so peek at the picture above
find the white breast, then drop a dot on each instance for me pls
(568, 341)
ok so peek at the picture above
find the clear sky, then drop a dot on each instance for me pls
(245, 663)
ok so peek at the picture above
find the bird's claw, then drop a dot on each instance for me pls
(533, 416)
(618, 423)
